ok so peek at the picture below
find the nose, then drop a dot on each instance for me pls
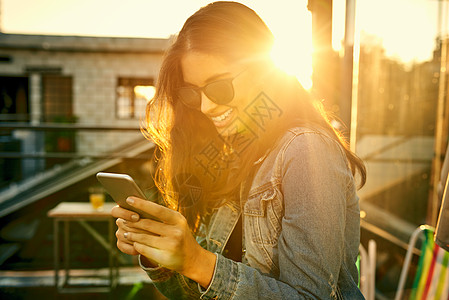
(207, 105)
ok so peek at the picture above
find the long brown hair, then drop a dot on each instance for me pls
(188, 142)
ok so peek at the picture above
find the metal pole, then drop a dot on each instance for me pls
(355, 73)
(347, 67)
(1, 27)
(63, 126)
(432, 210)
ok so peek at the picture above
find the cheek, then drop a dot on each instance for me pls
(244, 94)
(243, 103)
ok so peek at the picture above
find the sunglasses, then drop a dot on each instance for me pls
(219, 92)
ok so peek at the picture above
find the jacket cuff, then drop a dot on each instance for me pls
(156, 274)
(224, 281)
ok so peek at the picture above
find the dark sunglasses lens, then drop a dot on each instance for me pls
(221, 92)
(190, 97)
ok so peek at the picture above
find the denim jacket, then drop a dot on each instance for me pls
(301, 229)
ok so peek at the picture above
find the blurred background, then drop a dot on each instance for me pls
(75, 77)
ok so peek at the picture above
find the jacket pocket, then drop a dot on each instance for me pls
(263, 213)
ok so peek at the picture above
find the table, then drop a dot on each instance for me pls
(81, 212)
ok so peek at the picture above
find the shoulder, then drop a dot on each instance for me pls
(305, 144)
(303, 152)
(309, 147)
(295, 137)
(306, 139)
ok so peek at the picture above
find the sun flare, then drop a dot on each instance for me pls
(292, 50)
(294, 60)
(144, 91)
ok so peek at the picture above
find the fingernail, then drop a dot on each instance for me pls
(125, 235)
(135, 217)
(130, 201)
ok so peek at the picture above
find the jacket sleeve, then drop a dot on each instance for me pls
(315, 178)
(314, 184)
(172, 284)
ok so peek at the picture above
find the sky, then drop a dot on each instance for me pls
(407, 27)
(156, 18)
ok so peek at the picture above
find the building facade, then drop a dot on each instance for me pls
(87, 81)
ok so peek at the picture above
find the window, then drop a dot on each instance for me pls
(57, 98)
(57, 103)
(132, 96)
(398, 85)
(14, 104)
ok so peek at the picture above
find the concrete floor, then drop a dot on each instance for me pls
(133, 284)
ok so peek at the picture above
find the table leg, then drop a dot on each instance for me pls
(111, 256)
(56, 251)
(66, 250)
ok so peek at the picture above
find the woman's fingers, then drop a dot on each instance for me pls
(155, 254)
(122, 236)
(143, 226)
(152, 241)
(163, 213)
(124, 244)
(126, 248)
(140, 243)
(129, 226)
(119, 212)
(147, 225)
(168, 242)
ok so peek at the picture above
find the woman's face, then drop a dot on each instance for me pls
(201, 69)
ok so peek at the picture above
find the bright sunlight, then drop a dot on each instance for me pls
(293, 49)
(295, 59)
(289, 20)
(144, 91)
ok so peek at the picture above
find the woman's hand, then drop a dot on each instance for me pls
(125, 217)
(169, 243)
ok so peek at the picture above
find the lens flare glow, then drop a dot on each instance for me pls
(145, 91)
(296, 61)
(292, 51)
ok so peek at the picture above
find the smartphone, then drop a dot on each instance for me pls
(120, 187)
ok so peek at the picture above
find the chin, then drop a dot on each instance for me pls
(238, 126)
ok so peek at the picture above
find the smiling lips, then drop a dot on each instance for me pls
(218, 120)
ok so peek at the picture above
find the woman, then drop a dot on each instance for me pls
(259, 192)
